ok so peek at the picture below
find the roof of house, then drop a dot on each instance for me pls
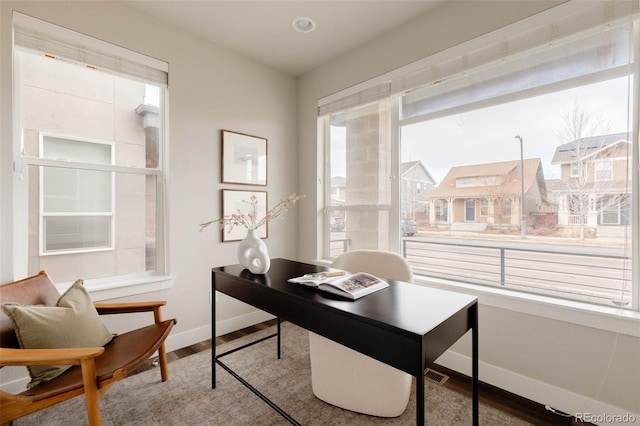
(405, 167)
(508, 171)
(338, 181)
(567, 153)
(555, 184)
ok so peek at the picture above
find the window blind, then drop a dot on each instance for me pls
(359, 98)
(605, 52)
(509, 43)
(48, 39)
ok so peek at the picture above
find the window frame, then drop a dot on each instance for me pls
(109, 287)
(484, 207)
(615, 319)
(42, 214)
(575, 169)
(587, 167)
(598, 170)
(393, 215)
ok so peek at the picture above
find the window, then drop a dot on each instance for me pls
(566, 180)
(614, 210)
(576, 170)
(461, 182)
(505, 208)
(484, 207)
(92, 155)
(604, 170)
(488, 180)
(77, 205)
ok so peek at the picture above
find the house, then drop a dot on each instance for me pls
(569, 356)
(417, 183)
(488, 194)
(594, 189)
(338, 195)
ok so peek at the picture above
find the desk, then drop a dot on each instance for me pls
(406, 326)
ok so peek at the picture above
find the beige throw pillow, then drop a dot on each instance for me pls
(72, 323)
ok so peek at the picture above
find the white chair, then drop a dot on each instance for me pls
(348, 379)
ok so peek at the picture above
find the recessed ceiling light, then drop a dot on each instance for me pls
(304, 24)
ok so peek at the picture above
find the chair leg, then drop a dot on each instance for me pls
(91, 394)
(164, 369)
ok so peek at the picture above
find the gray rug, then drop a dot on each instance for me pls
(187, 398)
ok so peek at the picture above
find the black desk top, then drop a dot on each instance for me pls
(409, 307)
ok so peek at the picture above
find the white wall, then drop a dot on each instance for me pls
(210, 88)
(571, 367)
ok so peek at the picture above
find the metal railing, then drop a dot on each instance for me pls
(339, 246)
(594, 275)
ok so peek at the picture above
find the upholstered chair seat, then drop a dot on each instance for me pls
(349, 379)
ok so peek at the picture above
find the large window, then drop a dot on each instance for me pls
(531, 155)
(91, 150)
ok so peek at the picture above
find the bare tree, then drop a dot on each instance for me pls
(501, 199)
(590, 187)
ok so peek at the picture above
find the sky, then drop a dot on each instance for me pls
(488, 135)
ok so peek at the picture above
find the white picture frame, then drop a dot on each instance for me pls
(244, 159)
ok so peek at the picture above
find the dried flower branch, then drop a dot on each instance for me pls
(250, 220)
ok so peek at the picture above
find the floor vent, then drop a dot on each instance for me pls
(435, 376)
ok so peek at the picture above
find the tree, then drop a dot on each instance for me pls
(501, 201)
(589, 187)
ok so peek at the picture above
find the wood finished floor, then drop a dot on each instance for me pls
(495, 397)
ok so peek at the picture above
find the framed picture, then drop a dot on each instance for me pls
(239, 202)
(244, 159)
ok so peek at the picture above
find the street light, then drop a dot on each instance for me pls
(523, 221)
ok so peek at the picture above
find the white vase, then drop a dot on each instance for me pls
(252, 253)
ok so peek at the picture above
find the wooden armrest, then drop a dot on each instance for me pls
(64, 356)
(127, 308)
(131, 307)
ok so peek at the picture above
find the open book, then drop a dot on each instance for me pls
(352, 286)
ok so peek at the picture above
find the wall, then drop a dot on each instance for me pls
(573, 367)
(210, 89)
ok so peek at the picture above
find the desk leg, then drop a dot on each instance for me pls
(213, 330)
(420, 395)
(474, 366)
(420, 399)
(279, 338)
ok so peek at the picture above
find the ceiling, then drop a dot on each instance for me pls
(263, 30)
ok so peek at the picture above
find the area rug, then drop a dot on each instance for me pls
(188, 399)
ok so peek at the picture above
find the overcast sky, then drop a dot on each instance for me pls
(488, 135)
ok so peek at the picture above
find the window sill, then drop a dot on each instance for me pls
(612, 319)
(113, 288)
(606, 318)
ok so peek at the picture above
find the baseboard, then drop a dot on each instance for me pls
(537, 391)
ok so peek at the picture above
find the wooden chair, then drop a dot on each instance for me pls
(93, 371)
